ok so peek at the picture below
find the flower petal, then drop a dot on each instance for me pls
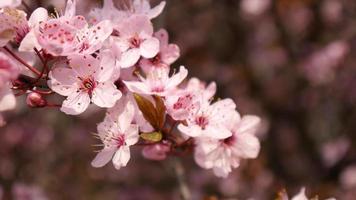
(103, 157)
(177, 78)
(76, 103)
(149, 48)
(129, 58)
(105, 95)
(121, 157)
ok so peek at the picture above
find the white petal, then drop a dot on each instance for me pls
(129, 58)
(76, 103)
(126, 115)
(121, 157)
(70, 8)
(149, 48)
(107, 66)
(62, 81)
(246, 145)
(103, 157)
(29, 42)
(105, 95)
(248, 124)
(7, 99)
(177, 78)
(192, 131)
(217, 132)
(138, 87)
(154, 12)
(40, 14)
(301, 195)
(131, 135)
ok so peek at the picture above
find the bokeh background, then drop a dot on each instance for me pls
(292, 62)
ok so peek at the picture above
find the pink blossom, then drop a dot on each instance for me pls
(7, 99)
(210, 120)
(168, 53)
(300, 196)
(13, 25)
(117, 135)
(157, 82)
(9, 70)
(71, 34)
(224, 154)
(143, 7)
(30, 42)
(135, 40)
(156, 151)
(183, 102)
(137, 7)
(85, 79)
(9, 3)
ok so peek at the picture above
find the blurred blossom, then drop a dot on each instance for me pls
(297, 19)
(25, 192)
(320, 67)
(332, 11)
(156, 151)
(334, 150)
(255, 7)
(348, 177)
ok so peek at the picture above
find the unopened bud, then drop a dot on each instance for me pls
(35, 100)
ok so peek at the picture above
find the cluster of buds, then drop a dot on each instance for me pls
(114, 59)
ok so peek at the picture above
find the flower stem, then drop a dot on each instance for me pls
(34, 70)
(181, 178)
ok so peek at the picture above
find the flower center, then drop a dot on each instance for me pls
(119, 141)
(156, 60)
(135, 42)
(202, 121)
(158, 89)
(88, 85)
(229, 141)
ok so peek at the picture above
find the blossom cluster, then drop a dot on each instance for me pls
(114, 59)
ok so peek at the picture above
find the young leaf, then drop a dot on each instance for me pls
(148, 110)
(160, 111)
(152, 137)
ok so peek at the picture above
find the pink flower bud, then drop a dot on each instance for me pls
(35, 100)
(156, 151)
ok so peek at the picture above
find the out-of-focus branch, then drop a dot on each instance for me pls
(180, 174)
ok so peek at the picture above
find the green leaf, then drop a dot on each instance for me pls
(152, 137)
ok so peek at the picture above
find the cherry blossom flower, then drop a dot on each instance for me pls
(157, 82)
(300, 196)
(86, 79)
(135, 40)
(13, 25)
(9, 70)
(135, 7)
(9, 3)
(30, 42)
(210, 120)
(7, 99)
(71, 34)
(143, 7)
(167, 55)
(117, 135)
(107, 12)
(156, 151)
(224, 154)
(184, 102)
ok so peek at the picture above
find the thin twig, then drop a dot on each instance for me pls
(180, 174)
(34, 70)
